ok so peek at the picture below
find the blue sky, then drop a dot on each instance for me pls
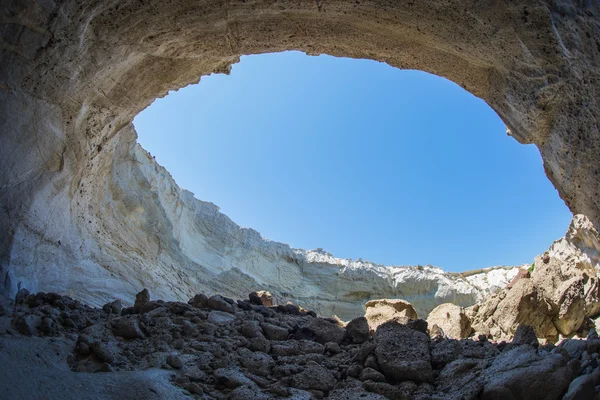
(359, 158)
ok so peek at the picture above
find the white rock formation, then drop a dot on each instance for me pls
(581, 244)
(160, 237)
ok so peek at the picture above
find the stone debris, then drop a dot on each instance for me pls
(259, 352)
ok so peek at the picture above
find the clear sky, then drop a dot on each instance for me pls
(359, 158)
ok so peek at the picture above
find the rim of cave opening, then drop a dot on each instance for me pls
(76, 73)
(324, 149)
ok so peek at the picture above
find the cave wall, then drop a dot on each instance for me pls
(81, 214)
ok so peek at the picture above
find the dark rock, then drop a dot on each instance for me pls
(261, 298)
(82, 348)
(127, 327)
(194, 388)
(174, 361)
(256, 362)
(220, 317)
(178, 308)
(150, 306)
(244, 305)
(21, 296)
(371, 362)
(248, 393)
(218, 303)
(354, 393)
(140, 299)
(114, 307)
(314, 377)
(264, 311)
(482, 350)
(47, 326)
(402, 352)
(459, 379)
(332, 348)
(523, 373)
(259, 344)
(575, 348)
(385, 389)
(251, 330)
(354, 370)
(358, 330)
(369, 374)
(321, 331)
(583, 387)
(418, 325)
(445, 351)
(291, 309)
(364, 351)
(274, 332)
(525, 335)
(296, 347)
(231, 378)
(105, 351)
(199, 301)
(28, 324)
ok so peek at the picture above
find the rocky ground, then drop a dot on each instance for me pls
(218, 348)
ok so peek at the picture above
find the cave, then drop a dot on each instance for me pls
(88, 214)
(75, 76)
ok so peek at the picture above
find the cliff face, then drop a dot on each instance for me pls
(142, 230)
(85, 212)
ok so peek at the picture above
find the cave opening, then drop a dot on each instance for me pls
(364, 160)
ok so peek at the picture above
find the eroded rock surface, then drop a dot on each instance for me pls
(86, 212)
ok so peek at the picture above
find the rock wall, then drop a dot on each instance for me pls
(85, 214)
(159, 236)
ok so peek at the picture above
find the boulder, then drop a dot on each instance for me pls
(174, 361)
(220, 317)
(114, 307)
(220, 304)
(583, 387)
(321, 331)
(261, 298)
(105, 351)
(296, 347)
(525, 335)
(28, 324)
(21, 296)
(500, 314)
(383, 310)
(370, 374)
(315, 377)
(140, 300)
(257, 363)
(452, 319)
(127, 327)
(231, 378)
(523, 373)
(358, 330)
(199, 301)
(403, 353)
(274, 332)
